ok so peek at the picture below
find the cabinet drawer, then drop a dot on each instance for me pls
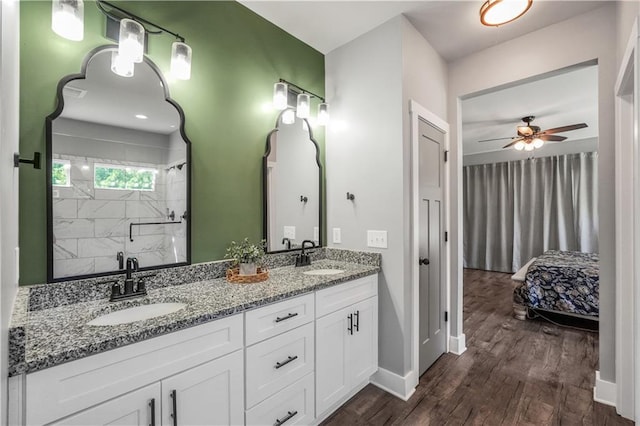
(278, 362)
(293, 405)
(337, 297)
(269, 321)
(68, 388)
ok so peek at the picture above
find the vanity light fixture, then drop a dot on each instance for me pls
(121, 66)
(131, 42)
(67, 19)
(281, 91)
(280, 96)
(181, 60)
(494, 13)
(289, 117)
(303, 105)
(323, 114)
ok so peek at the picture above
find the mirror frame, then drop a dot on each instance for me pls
(265, 189)
(49, 160)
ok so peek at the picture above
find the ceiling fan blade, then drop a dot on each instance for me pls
(552, 138)
(512, 143)
(564, 129)
(496, 139)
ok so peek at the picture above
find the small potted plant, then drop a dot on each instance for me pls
(246, 256)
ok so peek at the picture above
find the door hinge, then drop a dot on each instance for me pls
(446, 316)
(446, 156)
(446, 236)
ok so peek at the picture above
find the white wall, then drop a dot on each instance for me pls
(626, 13)
(586, 37)
(9, 86)
(369, 82)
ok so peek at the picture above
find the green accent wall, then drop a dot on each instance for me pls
(237, 56)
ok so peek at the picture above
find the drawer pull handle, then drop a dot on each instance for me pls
(278, 319)
(350, 328)
(283, 363)
(286, 418)
(174, 402)
(357, 324)
(152, 406)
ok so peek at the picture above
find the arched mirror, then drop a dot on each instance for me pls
(292, 185)
(118, 180)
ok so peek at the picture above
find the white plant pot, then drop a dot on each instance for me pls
(248, 269)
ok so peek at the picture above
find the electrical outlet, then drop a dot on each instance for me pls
(377, 239)
(337, 237)
(290, 232)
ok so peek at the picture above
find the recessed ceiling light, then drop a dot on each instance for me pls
(173, 126)
(141, 116)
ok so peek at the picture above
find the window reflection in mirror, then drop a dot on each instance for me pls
(117, 158)
(293, 191)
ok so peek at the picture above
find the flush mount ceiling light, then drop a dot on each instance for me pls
(67, 19)
(281, 92)
(494, 13)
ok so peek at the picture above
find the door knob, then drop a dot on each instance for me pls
(423, 261)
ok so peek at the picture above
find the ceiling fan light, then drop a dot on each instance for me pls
(529, 147)
(494, 13)
(519, 146)
(538, 143)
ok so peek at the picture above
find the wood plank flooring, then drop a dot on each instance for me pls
(513, 373)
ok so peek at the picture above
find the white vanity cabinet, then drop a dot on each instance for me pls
(346, 341)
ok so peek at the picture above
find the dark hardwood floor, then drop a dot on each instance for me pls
(513, 373)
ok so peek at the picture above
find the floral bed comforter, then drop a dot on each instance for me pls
(564, 281)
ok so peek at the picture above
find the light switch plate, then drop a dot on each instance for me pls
(337, 237)
(316, 234)
(290, 232)
(377, 239)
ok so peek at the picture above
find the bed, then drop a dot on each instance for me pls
(564, 282)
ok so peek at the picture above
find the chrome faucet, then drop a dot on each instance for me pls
(303, 258)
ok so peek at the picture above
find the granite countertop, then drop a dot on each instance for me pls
(60, 334)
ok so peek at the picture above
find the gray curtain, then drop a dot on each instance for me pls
(516, 210)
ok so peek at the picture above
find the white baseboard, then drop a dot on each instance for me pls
(395, 384)
(604, 392)
(458, 344)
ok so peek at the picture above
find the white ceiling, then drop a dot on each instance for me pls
(115, 101)
(559, 100)
(452, 27)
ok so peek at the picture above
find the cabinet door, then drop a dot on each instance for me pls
(363, 344)
(137, 408)
(332, 376)
(210, 394)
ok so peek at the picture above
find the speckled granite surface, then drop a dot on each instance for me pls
(46, 337)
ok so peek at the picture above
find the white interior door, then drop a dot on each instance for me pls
(432, 294)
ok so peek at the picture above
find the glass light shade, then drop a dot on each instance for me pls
(538, 143)
(498, 12)
(323, 114)
(121, 66)
(529, 147)
(519, 146)
(181, 60)
(280, 96)
(67, 19)
(289, 117)
(131, 41)
(303, 105)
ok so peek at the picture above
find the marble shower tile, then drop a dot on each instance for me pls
(73, 228)
(101, 209)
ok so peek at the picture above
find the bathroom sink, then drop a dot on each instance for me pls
(323, 272)
(137, 313)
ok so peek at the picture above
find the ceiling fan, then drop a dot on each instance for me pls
(531, 137)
